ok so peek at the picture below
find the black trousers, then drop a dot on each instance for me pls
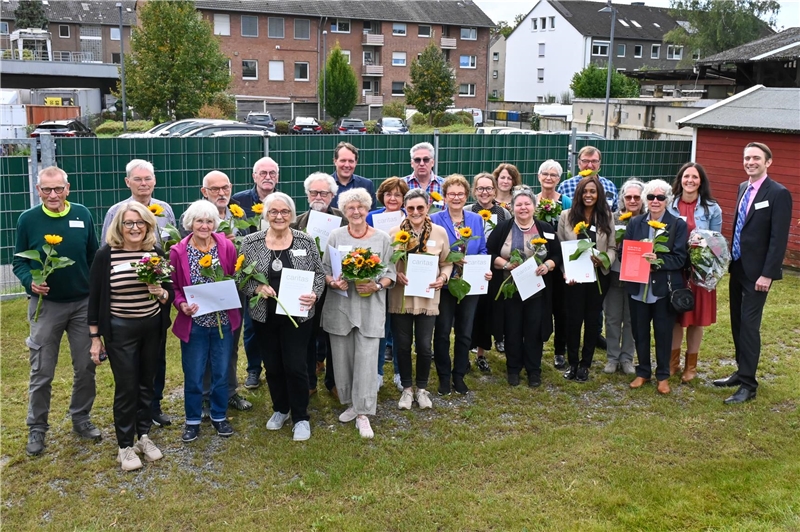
(584, 305)
(420, 326)
(523, 333)
(556, 281)
(662, 315)
(133, 355)
(458, 316)
(283, 350)
(747, 307)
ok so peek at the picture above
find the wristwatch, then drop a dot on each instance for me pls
(380, 286)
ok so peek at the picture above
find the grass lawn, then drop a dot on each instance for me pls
(567, 456)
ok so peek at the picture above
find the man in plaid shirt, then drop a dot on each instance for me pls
(422, 159)
(589, 159)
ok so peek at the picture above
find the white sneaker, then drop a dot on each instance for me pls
(148, 449)
(628, 368)
(405, 400)
(380, 381)
(128, 460)
(348, 415)
(277, 420)
(301, 430)
(397, 382)
(611, 367)
(362, 424)
(423, 398)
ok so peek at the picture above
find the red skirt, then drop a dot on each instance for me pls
(705, 308)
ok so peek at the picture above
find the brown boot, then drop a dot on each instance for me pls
(675, 362)
(690, 369)
(663, 387)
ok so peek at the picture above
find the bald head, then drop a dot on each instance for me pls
(217, 189)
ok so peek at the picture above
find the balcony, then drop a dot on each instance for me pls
(448, 43)
(372, 100)
(372, 70)
(371, 39)
(42, 55)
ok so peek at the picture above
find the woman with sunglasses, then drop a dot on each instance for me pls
(507, 177)
(655, 306)
(695, 204)
(452, 314)
(585, 300)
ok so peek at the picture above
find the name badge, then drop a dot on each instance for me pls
(125, 266)
(593, 228)
(76, 223)
(761, 205)
(682, 218)
(430, 243)
(299, 252)
(549, 236)
(345, 249)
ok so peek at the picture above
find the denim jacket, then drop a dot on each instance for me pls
(712, 220)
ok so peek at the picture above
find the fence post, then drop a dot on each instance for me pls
(436, 152)
(573, 138)
(33, 175)
(48, 144)
(266, 146)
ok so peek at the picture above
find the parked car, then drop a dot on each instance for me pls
(62, 128)
(243, 133)
(261, 119)
(492, 130)
(208, 129)
(520, 132)
(351, 126)
(389, 125)
(180, 128)
(152, 132)
(304, 125)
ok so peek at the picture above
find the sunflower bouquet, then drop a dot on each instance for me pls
(152, 269)
(51, 263)
(212, 269)
(624, 218)
(582, 229)
(660, 237)
(548, 210)
(709, 255)
(248, 273)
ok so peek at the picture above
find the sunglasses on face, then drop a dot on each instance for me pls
(419, 160)
(418, 208)
(659, 197)
(633, 198)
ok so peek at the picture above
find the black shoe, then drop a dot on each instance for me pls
(460, 386)
(513, 379)
(741, 395)
(560, 362)
(239, 403)
(205, 412)
(87, 430)
(483, 365)
(160, 419)
(252, 381)
(500, 347)
(571, 373)
(601, 342)
(444, 387)
(35, 443)
(534, 381)
(190, 433)
(582, 375)
(733, 380)
(224, 428)
(387, 354)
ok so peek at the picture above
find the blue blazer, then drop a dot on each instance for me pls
(673, 261)
(471, 220)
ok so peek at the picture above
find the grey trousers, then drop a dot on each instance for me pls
(619, 335)
(355, 358)
(44, 342)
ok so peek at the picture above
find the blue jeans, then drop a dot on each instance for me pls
(206, 346)
(251, 350)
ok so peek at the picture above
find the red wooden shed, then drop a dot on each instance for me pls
(721, 131)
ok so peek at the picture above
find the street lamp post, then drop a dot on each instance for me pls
(324, 72)
(609, 9)
(122, 70)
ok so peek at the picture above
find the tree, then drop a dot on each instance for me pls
(341, 85)
(504, 28)
(175, 65)
(591, 83)
(30, 14)
(433, 84)
(711, 26)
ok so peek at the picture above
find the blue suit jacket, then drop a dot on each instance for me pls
(673, 261)
(471, 220)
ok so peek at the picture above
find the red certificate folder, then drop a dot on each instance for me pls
(635, 268)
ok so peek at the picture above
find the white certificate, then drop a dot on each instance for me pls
(386, 221)
(475, 270)
(421, 271)
(580, 270)
(320, 225)
(336, 267)
(526, 279)
(213, 297)
(294, 283)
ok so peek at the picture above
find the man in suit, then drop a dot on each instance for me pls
(760, 237)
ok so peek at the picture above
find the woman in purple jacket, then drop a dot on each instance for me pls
(200, 336)
(451, 313)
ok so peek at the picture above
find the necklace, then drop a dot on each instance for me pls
(277, 264)
(523, 229)
(200, 248)
(357, 236)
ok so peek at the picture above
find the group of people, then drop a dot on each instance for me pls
(351, 327)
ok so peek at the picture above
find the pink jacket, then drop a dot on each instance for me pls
(179, 259)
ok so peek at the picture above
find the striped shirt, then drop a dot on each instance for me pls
(129, 296)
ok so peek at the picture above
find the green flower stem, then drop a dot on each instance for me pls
(500, 290)
(45, 273)
(286, 311)
(219, 324)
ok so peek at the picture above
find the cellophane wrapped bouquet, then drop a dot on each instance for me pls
(709, 255)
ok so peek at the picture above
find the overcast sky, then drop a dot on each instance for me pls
(788, 17)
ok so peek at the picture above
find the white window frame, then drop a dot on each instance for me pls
(111, 33)
(543, 23)
(534, 24)
(494, 74)
(641, 51)
(541, 49)
(346, 53)
(419, 31)
(405, 59)
(655, 51)
(250, 77)
(335, 23)
(307, 21)
(539, 75)
(495, 56)
(401, 93)
(273, 71)
(67, 36)
(472, 59)
(599, 45)
(470, 93)
(624, 49)
(241, 25)
(308, 71)
(269, 27)
(222, 24)
(399, 29)
(364, 60)
(471, 31)
(674, 52)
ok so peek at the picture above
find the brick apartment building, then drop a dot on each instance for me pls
(277, 49)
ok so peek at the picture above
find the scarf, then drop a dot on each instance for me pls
(417, 244)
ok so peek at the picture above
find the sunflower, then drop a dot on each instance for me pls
(236, 211)
(465, 232)
(538, 241)
(402, 237)
(157, 210)
(655, 224)
(485, 214)
(361, 251)
(370, 263)
(359, 261)
(258, 208)
(53, 240)
(155, 261)
(585, 173)
(625, 216)
(239, 262)
(581, 226)
(347, 261)
(205, 262)
(436, 196)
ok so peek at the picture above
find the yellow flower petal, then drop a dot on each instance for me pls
(580, 226)
(465, 232)
(258, 208)
(205, 262)
(584, 173)
(402, 237)
(625, 216)
(538, 241)
(236, 211)
(53, 240)
(485, 214)
(239, 262)
(156, 209)
(436, 196)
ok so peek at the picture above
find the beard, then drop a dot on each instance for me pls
(318, 205)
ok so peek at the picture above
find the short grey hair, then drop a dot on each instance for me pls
(658, 184)
(213, 173)
(279, 196)
(200, 209)
(551, 164)
(522, 190)
(135, 164)
(415, 193)
(359, 195)
(266, 160)
(321, 176)
(423, 146)
(632, 182)
(52, 170)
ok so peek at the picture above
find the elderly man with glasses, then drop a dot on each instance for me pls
(266, 175)
(422, 162)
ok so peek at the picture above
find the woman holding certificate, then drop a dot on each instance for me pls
(283, 341)
(520, 241)
(585, 300)
(206, 337)
(355, 320)
(413, 317)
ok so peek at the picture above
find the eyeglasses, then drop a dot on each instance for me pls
(355, 208)
(554, 176)
(142, 179)
(271, 173)
(201, 223)
(419, 160)
(484, 189)
(320, 193)
(217, 190)
(590, 161)
(659, 197)
(392, 195)
(49, 190)
(138, 223)
(285, 213)
(456, 195)
(417, 208)
(633, 198)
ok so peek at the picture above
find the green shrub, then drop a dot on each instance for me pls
(114, 127)
(370, 126)
(282, 127)
(226, 103)
(466, 117)
(396, 108)
(419, 119)
(327, 127)
(211, 111)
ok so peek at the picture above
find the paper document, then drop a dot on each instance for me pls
(421, 271)
(475, 269)
(294, 283)
(386, 221)
(320, 225)
(528, 283)
(635, 268)
(212, 297)
(336, 267)
(580, 270)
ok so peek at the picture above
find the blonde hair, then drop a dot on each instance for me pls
(455, 180)
(483, 175)
(114, 236)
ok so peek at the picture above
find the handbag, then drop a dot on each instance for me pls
(682, 299)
